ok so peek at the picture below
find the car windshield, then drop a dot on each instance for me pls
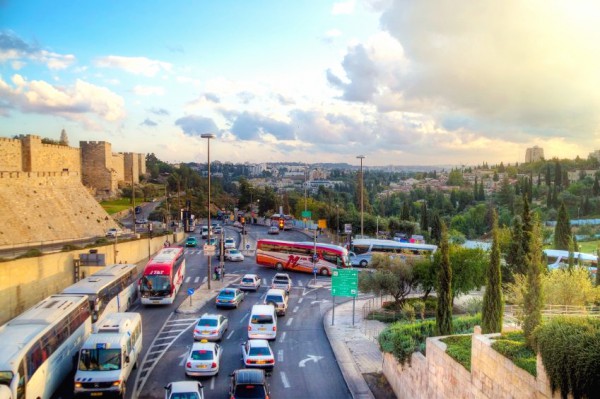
(259, 351)
(6, 377)
(234, 252)
(202, 355)
(100, 359)
(228, 294)
(274, 298)
(281, 280)
(250, 391)
(248, 280)
(184, 395)
(207, 322)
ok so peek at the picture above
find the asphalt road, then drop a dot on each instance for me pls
(305, 365)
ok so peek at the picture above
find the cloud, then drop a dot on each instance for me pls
(331, 35)
(17, 51)
(362, 73)
(141, 90)
(148, 122)
(212, 97)
(253, 126)
(194, 125)
(343, 7)
(159, 111)
(246, 97)
(78, 102)
(134, 65)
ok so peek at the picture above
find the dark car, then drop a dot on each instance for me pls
(249, 383)
(138, 210)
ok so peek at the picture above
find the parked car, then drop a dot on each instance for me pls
(138, 210)
(273, 230)
(229, 298)
(279, 299)
(250, 282)
(141, 221)
(210, 327)
(234, 255)
(249, 383)
(184, 390)
(258, 353)
(191, 242)
(282, 281)
(361, 260)
(204, 359)
(114, 232)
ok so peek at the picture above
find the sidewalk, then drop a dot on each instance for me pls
(355, 352)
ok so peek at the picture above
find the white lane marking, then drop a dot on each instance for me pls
(183, 358)
(264, 281)
(244, 318)
(280, 355)
(300, 300)
(204, 280)
(212, 383)
(300, 283)
(282, 336)
(230, 334)
(296, 309)
(262, 298)
(289, 322)
(187, 279)
(196, 280)
(284, 380)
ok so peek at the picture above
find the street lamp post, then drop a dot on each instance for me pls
(208, 136)
(362, 233)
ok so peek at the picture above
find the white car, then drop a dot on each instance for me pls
(250, 282)
(282, 281)
(258, 353)
(211, 327)
(229, 243)
(234, 255)
(184, 390)
(204, 359)
(114, 232)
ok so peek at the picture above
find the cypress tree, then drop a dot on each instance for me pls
(481, 192)
(534, 297)
(436, 228)
(549, 198)
(596, 187)
(424, 219)
(557, 174)
(547, 176)
(527, 226)
(562, 231)
(515, 258)
(405, 214)
(493, 306)
(539, 182)
(443, 319)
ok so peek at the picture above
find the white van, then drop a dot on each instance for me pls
(263, 322)
(108, 356)
(204, 232)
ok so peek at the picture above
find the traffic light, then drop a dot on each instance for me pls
(280, 224)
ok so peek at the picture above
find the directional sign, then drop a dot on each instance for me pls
(347, 228)
(306, 214)
(209, 250)
(190, 291)
(344, 282)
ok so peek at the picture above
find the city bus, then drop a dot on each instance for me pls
(162, 277)
(298, 256)
(111, 289)
(37, 347)
(369, 246)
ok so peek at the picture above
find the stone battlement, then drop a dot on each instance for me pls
(21, 175)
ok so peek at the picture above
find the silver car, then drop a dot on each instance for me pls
(211, 327)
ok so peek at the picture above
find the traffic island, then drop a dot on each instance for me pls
(198, 297)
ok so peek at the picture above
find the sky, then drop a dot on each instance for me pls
(402, 82)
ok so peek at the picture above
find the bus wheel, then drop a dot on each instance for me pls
(279, 266)
(363, 263)
(324, 272)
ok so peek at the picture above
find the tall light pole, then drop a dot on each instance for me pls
(362, 233)
(208, 136)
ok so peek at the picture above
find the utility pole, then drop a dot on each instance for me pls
(133, 199)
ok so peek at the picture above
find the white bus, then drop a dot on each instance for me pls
(370, 246)
(37, 348)
(108, 356)
(558, 258)
(111, 289)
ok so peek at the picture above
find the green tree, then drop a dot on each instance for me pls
(596, 187)
(515, 258)
(493, 306)
(405, 215)
(436, 228)
(424, 218)
(562, 230)
(443, 319)
(533, 300)
(393, 277)
(527, 226)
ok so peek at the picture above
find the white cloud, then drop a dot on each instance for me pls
(343, 7)
(135, 65)
(148, 90)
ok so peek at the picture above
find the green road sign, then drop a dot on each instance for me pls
(306, 214)
(344, 282)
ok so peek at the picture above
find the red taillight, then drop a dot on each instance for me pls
(188, 365)
(250, 361)
(197, 331)
(213, 365)
(249, 328)
(271, 361)
(214, 332)
(274, 328)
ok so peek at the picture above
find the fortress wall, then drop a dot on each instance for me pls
(142, 163)
(131, 168)
(51, 206)
(10, 155)
(38, 157)
(118, 167)
(96, 165)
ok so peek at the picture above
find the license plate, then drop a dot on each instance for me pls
(96, 394)
(262, 329)
(260, 362)
(201, 366)
(204, 332)
(155, 301)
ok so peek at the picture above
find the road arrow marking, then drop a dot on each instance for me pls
(313, 358)
(183, 357)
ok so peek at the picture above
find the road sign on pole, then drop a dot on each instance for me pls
(344, 282)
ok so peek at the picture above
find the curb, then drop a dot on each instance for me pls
(354, 379)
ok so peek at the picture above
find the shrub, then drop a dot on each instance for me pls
(31, 253)
(570, 351)
(408, 311)
(514, 347)
(473, 305)
(459, 349)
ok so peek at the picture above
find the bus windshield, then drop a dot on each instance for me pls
(6, 377)
(156, 283)
(100, 359)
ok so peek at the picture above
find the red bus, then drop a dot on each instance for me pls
(298, 256)
(162, 277)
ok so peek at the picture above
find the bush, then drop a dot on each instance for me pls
(459, 349)
(514, 347)
(32, 253)
(473, 305)
(402, 339)
(570, 351)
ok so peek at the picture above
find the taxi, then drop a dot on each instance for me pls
(204, 359)
(258, 353)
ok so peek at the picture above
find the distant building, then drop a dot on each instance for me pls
(534, 154)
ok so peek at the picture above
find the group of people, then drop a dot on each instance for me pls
(217, 273)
